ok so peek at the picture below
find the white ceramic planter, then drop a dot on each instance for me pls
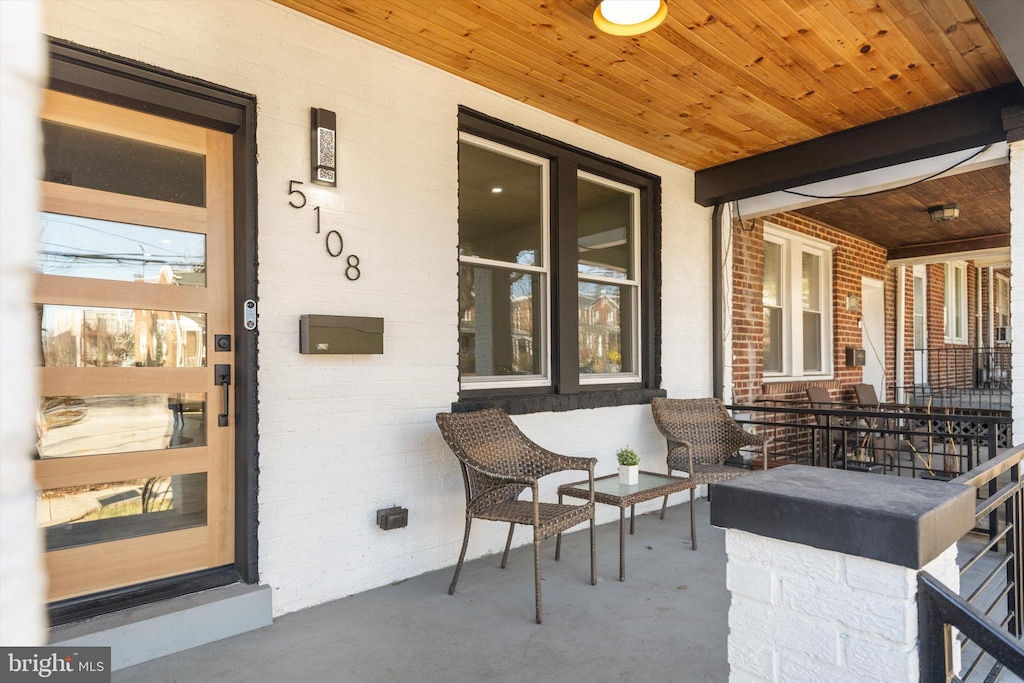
(629, 474)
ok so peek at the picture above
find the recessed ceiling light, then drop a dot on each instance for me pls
(496, 190)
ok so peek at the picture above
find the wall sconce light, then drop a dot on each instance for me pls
(946, 212)
(852, 302)
(629, 17)
(322, 155)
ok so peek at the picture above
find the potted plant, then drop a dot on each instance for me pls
(629, 466)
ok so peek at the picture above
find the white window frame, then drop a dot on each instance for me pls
(634, 285)
(794, 245)
(955, 297)
(543, 379)
(1001, 308)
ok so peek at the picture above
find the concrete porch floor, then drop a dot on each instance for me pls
(667, 621)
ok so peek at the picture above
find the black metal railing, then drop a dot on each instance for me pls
(961, 376)
(989, 611)
(903, 440)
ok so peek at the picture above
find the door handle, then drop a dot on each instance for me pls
(222, 377)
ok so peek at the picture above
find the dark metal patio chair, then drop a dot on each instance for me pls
(498, 463)
(836, 433)
(701, 434)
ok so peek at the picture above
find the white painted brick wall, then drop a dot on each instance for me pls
(342, 437)
(804, 614)
(22, 71)
(1017, 282)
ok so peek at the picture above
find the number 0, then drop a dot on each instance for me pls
(341, 243)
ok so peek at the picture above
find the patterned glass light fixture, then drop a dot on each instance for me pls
(323, 137)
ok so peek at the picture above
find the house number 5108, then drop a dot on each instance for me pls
(333, 241)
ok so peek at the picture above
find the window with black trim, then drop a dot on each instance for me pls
(557, 275)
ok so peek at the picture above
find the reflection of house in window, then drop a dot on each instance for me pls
(599, 334)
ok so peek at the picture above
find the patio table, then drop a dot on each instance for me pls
(609, 491)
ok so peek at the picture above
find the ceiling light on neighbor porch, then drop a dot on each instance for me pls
(323, 137)
(946, 212)
(629, 17)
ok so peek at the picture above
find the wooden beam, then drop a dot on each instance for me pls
(959, 124)
(952, 247)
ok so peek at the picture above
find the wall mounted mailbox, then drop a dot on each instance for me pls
(855, 357)
(342, 334)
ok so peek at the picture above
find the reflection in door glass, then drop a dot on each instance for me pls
(96, 513)
(82, 337)
(92, 425)
(112, 163)
(73, 246)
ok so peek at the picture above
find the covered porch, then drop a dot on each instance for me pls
(667, 621)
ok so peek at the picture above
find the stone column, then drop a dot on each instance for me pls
(22, 74)
(822, 568)
(1013, 124)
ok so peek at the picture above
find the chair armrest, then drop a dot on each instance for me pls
(750, 439)
(506, 478)
(571, 462)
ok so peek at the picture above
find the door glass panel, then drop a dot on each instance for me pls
(605, 328)
(96, 513)
(604, 233)
(111, 163)
(104, 250)
(499, 329)
(84, 337)
(501, 206)
(92, 425)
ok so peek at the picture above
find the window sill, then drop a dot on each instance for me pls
(790, 379)
(555, 403)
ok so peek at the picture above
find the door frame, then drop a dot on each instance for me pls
(875, 348)
(89, 73)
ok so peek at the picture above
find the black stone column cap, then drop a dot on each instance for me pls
(899, 520)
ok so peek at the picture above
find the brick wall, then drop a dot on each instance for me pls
(1017, 276)
(801, 614)
(852, 260)
(343, 436)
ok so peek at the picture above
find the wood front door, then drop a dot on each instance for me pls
(134, 295)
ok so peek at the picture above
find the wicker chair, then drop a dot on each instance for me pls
(498, 463)
(701, 435)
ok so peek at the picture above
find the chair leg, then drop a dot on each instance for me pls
(593, 555)
(536, 576)
(693, 520)
(462, 556)
(508, 544)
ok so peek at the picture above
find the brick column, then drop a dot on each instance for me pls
(22, 74)
(822, 568)
(1013, 124)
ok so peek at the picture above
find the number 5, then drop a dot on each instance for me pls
(292, 190)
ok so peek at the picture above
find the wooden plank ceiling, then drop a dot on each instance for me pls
(899, 219)
(720, 80)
